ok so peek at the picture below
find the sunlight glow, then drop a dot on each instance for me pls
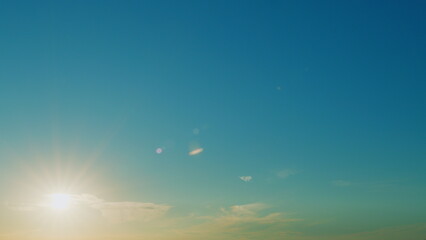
(59, 201)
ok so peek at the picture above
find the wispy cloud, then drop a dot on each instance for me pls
(247, 221)
(246, 178)
(114, 212)
(416, 231)
(22, 207)
(246, 210)
(123, 211)
(131, 211)
(250, 213)
(382, 185)
(285, 173)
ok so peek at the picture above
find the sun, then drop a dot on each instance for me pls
(59, 201)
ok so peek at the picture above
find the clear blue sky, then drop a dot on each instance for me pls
(322, 103)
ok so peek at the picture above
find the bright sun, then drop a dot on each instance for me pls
(59, 201)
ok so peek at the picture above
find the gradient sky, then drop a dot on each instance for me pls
(248, 120)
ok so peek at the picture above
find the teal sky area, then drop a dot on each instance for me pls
(313, 110)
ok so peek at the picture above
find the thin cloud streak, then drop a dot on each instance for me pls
(114, 212)
(196, 151)
(286, 173)
(341, 183)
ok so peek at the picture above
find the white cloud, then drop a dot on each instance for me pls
(246, 178)
(247, 209)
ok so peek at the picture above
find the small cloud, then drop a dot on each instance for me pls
(286, 173)
(341, 183)
(246, 178)
(159, 150)
(196, 151)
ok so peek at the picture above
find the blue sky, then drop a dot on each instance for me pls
(322, 104)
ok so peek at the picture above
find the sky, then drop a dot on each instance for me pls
(231, 120)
